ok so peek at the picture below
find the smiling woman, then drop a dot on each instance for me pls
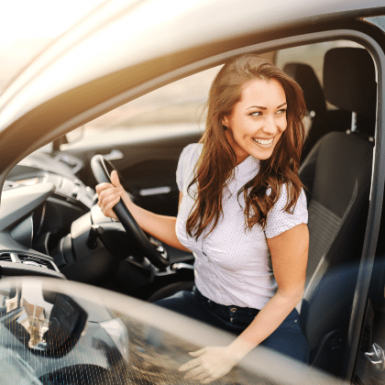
(256, 123)
(252, 146)
(250, 265)
(247, 103)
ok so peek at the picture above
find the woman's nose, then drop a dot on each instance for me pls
(270, 126)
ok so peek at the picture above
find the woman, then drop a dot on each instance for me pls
(242, 211)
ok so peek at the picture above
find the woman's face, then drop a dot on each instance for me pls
(258, 120)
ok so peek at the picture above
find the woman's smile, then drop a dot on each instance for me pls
(264, 142)
(258, 120)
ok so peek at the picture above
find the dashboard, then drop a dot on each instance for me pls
(50, 225)
(41, 198)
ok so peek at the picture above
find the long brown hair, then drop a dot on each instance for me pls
(215, 167)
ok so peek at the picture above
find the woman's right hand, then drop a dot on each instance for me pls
(109, 195)
(161, 227)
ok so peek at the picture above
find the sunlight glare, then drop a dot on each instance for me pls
(26, 19)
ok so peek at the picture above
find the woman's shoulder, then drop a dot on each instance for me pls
(187, 161)
(190, 154)
(193, 148)
(278, 219)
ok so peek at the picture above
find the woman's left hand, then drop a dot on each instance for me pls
(210, 364)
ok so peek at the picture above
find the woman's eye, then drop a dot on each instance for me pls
(282, 111)
(256, 113)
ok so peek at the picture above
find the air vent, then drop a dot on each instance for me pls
(5, 257)
(35, 261)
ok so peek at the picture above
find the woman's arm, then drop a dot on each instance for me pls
(289, 253)
(159, 226)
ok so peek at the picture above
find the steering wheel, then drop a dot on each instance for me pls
(102, 169)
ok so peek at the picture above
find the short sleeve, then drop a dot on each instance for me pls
(179, 171)
(278, 220)
(187, 160)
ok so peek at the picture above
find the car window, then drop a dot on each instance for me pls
(56, 332)
(369, 366)
(312, 55)
(181, 105)
(335, 124)
(177, 106)
(379, 21)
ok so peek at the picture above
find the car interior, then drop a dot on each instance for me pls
(67, 236)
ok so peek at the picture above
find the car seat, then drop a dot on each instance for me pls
(305, 76)
(323, 121)
(337, 176)
(316, 110)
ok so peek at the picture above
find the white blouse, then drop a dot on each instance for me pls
(233, 264)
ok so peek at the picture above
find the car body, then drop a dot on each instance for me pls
(48, 216)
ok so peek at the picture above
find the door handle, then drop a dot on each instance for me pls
(376, 356)
(114, 155)
(155, 191)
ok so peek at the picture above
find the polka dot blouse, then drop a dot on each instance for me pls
(232, 263)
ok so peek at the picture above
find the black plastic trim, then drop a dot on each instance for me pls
(14, 264)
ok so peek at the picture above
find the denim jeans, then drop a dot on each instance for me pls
(287, 339)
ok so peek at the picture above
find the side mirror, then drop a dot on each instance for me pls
(66, 324)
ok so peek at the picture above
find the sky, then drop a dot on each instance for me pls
(27, 26)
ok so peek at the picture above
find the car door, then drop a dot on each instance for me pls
(77, 110)
(369, 367)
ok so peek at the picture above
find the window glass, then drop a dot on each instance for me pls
(378, 20)
(312, 54)
(176, 106)
(82, 335)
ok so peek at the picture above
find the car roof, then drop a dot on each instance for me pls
(123, 44)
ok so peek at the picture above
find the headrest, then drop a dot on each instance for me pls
(349, 80)
(305, 76)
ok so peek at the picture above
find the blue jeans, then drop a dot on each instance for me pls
(287, 339)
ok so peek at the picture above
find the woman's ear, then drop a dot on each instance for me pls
(225, 122)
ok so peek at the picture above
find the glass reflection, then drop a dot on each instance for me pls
(61, 332)
(32, 318)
